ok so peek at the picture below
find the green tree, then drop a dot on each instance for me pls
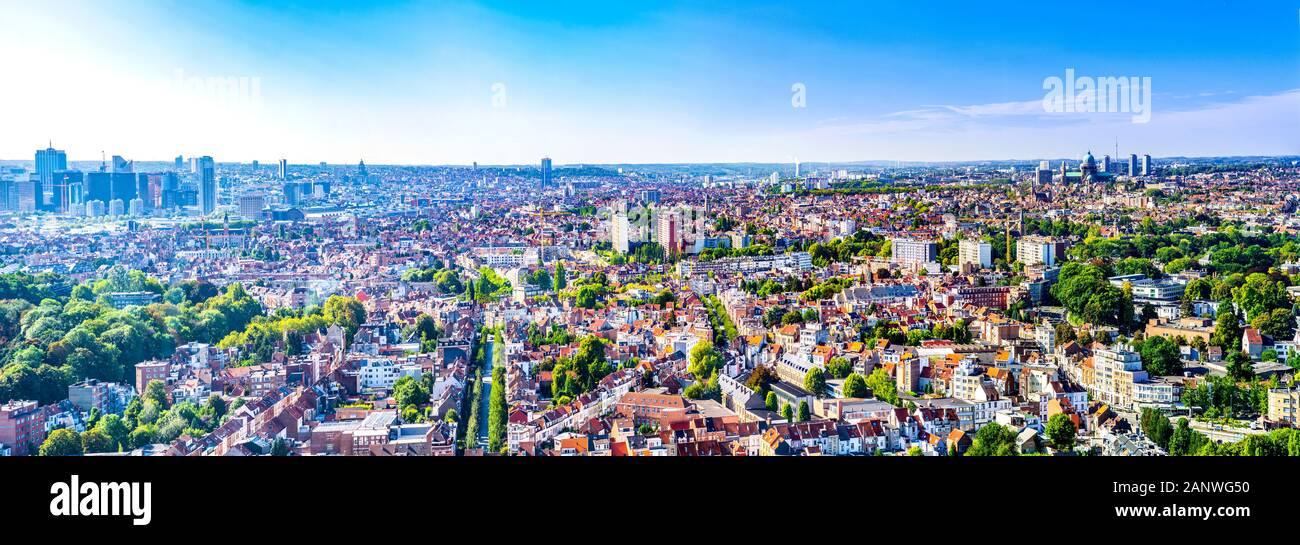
(771, 401)
(993, 439)
(156, 391)
(95, 440)
(345, 312)
(1160, 356)
(855, 386)
(704, 360)
(1156, 427)
(143, 435)
(1227, 329)
(1061, 431)
(786, 412)
(279, 447)
(61, 442)
(804, 413)
(408, 392)
(815, 381)
(883, 387)
(561, 279)
(1239, 366)
(839, 367)
(113, 426)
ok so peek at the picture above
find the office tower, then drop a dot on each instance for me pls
(546, 172)
(116, 207)
(1043, 175)
(122, 165)
(912, 251)
(99, 186)
(7, 195)
(648, 196)
(619, 231)
(284, 169)
(124, 185)
(168, 196)
(180, 162)
(976, 253)
(1146, 165)
(1133, 165)
(94, 208)
(1105, 163)
(361, 170)
(48, 161)
(796, 168)
(151, 188)
(256, 165)
(668, 231)
(137, 207)
(29, 195)
(292, 194)
(68, 190)
(207, 185)
(250, 206)
(194, 165)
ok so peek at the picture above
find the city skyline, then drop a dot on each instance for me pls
(505, 84)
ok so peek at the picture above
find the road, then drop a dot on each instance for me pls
(485, 395)
(1224, 434)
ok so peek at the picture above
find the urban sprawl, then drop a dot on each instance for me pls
(1115, 306)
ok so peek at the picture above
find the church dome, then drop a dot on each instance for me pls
(1089, 161)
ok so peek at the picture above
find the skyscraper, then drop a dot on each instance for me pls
(48, 161)
(546, 172)
(99, 186)
(1146, 165)
(1133, 165)
(122, 165)
(284, 169)
(207, 185)
(67, 190)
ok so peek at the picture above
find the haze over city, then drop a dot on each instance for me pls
(599, 82)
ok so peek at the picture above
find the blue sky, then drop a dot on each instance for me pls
(599, 82)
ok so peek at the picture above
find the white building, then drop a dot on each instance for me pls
(976, 253)
(619, 231)
(913, 251)
(1036, 250)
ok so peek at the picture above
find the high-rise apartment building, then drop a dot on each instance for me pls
(976, 253)
(911, 251)
(668, 230)
(619, 231)
(1037, 250)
